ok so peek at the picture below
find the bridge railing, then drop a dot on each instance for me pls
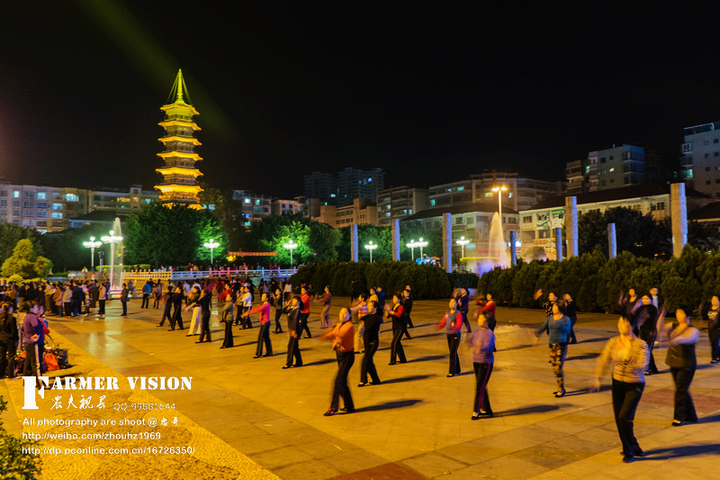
(179, 275)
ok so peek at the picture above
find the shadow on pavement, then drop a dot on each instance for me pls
(389, 405)
(591, 340)
(321, 362)
(408, 379)
(587, 356)
(423, 336)
(525, 410)
(427, 358)
(684, 451)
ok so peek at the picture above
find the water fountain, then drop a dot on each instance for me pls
(115, 240)
(495, 254)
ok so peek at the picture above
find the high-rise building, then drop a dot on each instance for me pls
(354, 183)
(701, 158)
(520, 192)
(342, 188)
(43, 208)
(179, 184)
(254, 206)
(614, 167)
(399, 203)
(323, 186)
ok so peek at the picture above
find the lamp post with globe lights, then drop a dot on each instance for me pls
(212, 245)
(92, 245)
(371, 246)
(291, 246)
(499, 191)
(462, 242)
(412, 246)
(422, 244)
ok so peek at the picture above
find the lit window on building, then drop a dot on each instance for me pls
(71, 197)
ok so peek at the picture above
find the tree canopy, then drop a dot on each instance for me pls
(25, 263)
(173, 236)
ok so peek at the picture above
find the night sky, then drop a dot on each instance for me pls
(429, 92)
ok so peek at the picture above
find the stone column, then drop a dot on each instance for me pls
(354, 252)
(612, 241)
(513, 249)
(678, 214)
(558, 243)
(571, 226)
(447, 242)
(396, 239)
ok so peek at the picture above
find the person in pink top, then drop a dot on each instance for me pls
(264, 333)
(452, 321)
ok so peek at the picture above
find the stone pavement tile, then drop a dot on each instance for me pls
(560, 452)
(325, 447)
(504, 467)
(432, 464)
(603, 436)
(311, 469)
(353, 460)
(281, 457)
(387, 471)
(470, 453)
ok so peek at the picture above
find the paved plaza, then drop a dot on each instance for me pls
(249, 418)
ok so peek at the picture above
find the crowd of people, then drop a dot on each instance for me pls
(357, 331)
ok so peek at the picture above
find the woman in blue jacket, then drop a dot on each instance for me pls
(557, 327)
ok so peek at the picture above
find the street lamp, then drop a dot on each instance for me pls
(92, 245)
(212, 245)
(112, 239)
(371, 246)
(291, 246)
(412, 246)
(462, 242)
(421, 244)
(499, 191)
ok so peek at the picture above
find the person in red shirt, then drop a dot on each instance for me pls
(342, 337)
(487, 305)
(398, 321)
(305, 311)
(264, 333)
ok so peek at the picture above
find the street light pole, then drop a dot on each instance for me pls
(412, 246)
(371, 246)
(291, 246)
(499, 191)
(92, 245)
(462, 242)
(422, 244)
(212, 245)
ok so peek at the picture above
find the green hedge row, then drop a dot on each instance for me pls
(427, 282)
(596, 283)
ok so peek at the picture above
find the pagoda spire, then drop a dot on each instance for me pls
(179, 184)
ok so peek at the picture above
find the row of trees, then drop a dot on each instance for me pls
(346, 278)
(596, 283)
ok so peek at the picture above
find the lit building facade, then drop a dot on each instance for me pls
(342, 188)
(45, 209)
(612, 168)
(701, 158)
(399, 203)
(254, 206)
(361, 211)
(179, 183)
(537, 223)
(521, 192)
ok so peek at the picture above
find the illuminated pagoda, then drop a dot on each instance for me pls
(179, 184)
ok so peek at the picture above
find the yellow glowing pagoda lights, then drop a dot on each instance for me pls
(179, 184)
